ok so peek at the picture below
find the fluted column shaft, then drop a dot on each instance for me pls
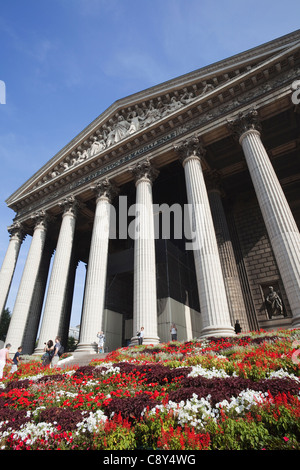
(280, 224)
(145, 295)
(55, 300)
(25, 293)
(211, 288)
(9, 263)
(95, 287)
(230, 273)
(32, 325)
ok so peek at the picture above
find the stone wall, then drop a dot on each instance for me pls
(258, 258)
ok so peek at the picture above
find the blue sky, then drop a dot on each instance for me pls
(65, 61)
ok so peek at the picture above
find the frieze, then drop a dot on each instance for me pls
(218, 112)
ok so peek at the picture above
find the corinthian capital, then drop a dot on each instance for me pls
(191, 147)
(16, 230)
(244, 122)
(144, 170)
(40, 219)
(105, 188)
(69, 205)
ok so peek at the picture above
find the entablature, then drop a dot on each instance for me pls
(201, 102)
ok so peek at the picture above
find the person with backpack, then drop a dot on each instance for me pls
(48, 353)
(58, 350)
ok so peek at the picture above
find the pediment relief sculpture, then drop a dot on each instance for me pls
(124, 125)
(140, 115)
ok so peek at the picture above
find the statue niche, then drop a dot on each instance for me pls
(273, 303)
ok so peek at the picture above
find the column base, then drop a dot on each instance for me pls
(147, 340)
(38, 352)
(88, 348)
(219, 331)
(296, 322)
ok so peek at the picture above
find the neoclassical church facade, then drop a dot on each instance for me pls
(183, 203)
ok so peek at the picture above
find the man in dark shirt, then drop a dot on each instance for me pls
(16, 360)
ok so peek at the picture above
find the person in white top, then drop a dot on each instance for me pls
(141, 335)
(4, 357)
(101, 341)
(173, 332)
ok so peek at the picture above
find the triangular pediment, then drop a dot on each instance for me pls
(140, 117)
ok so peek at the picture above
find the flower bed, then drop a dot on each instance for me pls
(237, 393)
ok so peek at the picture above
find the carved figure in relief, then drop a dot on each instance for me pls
(81, 156)
(187, 97)
(109, 135)
(152, 114)
(135, 120)
(172, 106)
(208, 87)
(121, 129)
(96, 146)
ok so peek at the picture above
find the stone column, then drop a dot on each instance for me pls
(67, 308)
(230, 273)
(212, 294)
(9, 262)
(55, 301)
(36, 306)
(25, 294)
(95, 286)
(144, 296)
(280, 224)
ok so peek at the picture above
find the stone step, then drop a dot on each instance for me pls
(79, 359)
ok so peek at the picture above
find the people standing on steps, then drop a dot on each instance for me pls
(237, 327)
(140, 335)
(48, 353)
(101, 341)
(16, 360)
(56, 348)
(173, 331)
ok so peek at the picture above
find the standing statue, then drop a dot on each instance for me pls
(274, 302)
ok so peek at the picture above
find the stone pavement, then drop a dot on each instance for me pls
(79, 359)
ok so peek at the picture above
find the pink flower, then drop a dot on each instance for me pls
(286, 439)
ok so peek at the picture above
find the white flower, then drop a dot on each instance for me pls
(91, 423)
(208, 373)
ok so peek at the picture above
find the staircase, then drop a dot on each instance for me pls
(79, 359)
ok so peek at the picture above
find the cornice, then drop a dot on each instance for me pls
(203, 124)
(231, 93)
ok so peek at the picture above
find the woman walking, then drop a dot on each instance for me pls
(4, 358)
